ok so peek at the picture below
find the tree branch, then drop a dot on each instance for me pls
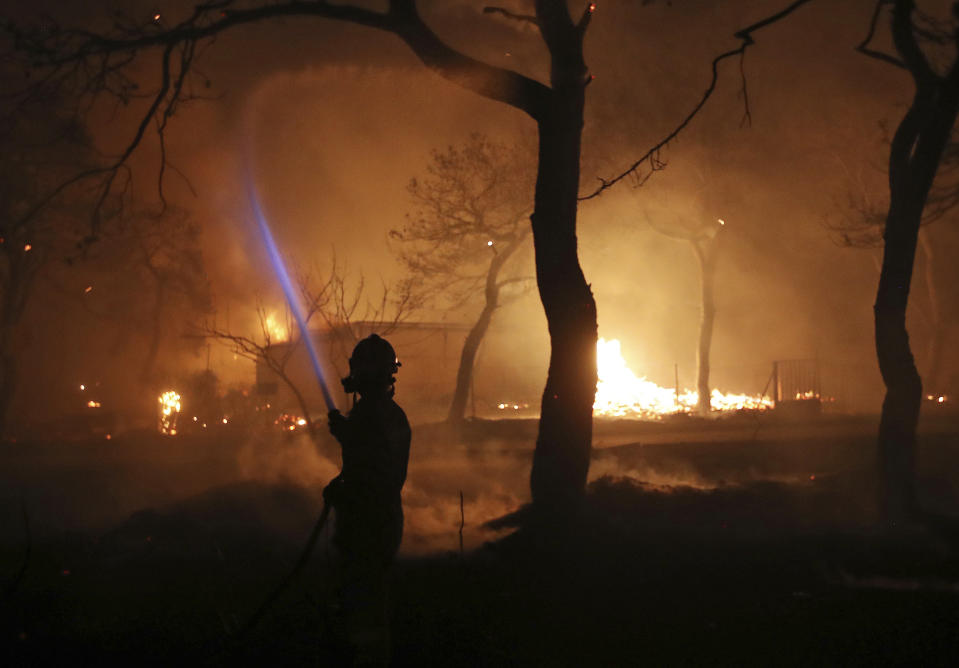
(527, 18)
(650, 157)
(863, 46)
(94, 64)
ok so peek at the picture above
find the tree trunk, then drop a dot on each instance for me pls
(21, 273)
(914, 159)
(156, 334)
(8, 380)
(707, 265)
(561, 458)
(464, 375)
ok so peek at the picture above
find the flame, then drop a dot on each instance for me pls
(275, 329)
(620, 393)
(169, 412)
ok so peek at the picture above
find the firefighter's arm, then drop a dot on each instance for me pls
(339, 427)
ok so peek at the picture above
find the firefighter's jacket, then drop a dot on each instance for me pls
(375, 440)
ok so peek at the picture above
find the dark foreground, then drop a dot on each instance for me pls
(768, 554)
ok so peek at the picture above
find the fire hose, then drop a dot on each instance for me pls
(285, 582)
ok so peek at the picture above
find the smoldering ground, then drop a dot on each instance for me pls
(173, 542)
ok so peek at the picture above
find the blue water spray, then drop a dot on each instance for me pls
(291, 295)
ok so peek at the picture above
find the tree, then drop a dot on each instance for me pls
(42, 146)
(470, 219)
(330, 301)
(155, 254)
(703, 235)
(860, 225)
(914, 157)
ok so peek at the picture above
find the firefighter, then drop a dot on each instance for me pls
(365, 496)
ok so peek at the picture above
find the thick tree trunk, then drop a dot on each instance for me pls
(707, 264)
(561, 458)
(914, 159)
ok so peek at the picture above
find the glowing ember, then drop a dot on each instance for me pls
(169, 412)
(93, 404)
(289, 422)
(620, 393)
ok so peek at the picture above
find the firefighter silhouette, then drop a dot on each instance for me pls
(365, 496)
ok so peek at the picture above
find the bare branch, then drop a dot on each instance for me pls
(863, 46)
(95, 64)
(525, 18)
(746, 40)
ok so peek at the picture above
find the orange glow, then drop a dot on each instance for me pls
(27, 247)
(93, 404)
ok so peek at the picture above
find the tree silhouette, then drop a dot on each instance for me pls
(702, 232)
(469, 220)
(42, 147)
(915, 153)
(860, 225)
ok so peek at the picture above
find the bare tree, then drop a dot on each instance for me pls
(702, 234)
(917, 148)
(160, 251)
(469, 220)
(337, 307)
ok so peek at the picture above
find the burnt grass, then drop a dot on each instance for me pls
(780, 561)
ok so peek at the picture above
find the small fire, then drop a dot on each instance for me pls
(93, 404)
(620, 393)
(275, 329)
(169, 412)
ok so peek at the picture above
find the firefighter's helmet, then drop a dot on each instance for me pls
(372, 365)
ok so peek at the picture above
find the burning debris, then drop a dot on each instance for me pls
(169, 412)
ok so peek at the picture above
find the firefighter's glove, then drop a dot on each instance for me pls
(339, 426)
